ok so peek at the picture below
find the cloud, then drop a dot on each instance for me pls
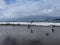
(24, 8)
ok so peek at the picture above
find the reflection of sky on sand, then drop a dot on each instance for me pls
(30, 36)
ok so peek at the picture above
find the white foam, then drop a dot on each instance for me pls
(34, 23)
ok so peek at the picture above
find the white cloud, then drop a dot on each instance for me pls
(48, 11)
(23, 8)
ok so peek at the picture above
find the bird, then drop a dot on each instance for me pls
(31, 31)
(28, 26)
(32, 21)
(52, 30)
(47, 34)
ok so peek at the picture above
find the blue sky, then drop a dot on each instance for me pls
(25, 8)
(9, 1)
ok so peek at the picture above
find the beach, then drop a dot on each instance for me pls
(23, 33)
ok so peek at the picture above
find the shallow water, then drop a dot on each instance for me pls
(35, 35)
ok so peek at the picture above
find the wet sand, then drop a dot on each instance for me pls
(29, 35)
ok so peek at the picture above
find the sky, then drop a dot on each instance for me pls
(25, 8)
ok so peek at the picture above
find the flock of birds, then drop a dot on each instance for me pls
(52, 28)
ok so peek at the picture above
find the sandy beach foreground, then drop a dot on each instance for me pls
(23, 33)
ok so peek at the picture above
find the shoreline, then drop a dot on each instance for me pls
(29, 23)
